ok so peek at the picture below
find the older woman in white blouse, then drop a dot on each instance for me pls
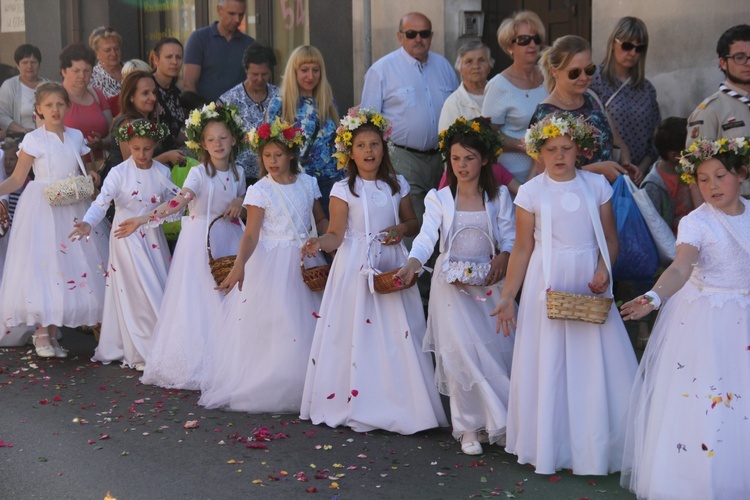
(511, 97)
(473, 62)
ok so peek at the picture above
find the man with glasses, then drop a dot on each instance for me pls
(213, 54)
(727, 112)
(409, 86)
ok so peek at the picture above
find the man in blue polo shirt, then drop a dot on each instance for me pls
(213, 54)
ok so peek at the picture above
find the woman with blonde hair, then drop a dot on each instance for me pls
(630, 99)
(568, 69)
(511, 97)
(305, 98)
(107, 75)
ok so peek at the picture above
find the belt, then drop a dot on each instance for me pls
(412, 150)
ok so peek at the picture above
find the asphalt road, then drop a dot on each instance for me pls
(73, 429)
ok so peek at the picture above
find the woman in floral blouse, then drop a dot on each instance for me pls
(306, 98)
(252, 98)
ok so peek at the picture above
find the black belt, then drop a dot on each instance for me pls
(412, 150)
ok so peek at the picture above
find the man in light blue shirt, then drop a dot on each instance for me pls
(409, 86)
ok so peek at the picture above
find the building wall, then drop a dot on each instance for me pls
(385, 16)
(682, 61)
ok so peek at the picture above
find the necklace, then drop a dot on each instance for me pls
(526, 84)
(224, 184)
(568, 104)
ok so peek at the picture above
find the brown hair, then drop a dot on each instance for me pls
(627, 29)
(293, 163)
(45, 89)
(385, 173)
(129, 87)
(487, 181)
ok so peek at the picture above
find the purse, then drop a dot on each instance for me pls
(73, 189)
(467, 272)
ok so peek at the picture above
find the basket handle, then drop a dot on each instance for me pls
(208, 238)
(486, 235)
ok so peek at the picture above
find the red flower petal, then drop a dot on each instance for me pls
(554, 479)
(489, 292)
(331, 396)
(355, 392)
(311, 489)
(316, 315)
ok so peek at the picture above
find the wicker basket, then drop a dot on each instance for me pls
(219, 267)
(383, 281)
(315, 278)
(474, 274)
(573, 306)
(4, 226)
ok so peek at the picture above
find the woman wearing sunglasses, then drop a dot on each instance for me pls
(630, 99)
(568, 71)
(512, 96)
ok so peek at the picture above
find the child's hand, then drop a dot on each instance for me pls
(311, 248)
(235, 276)
(506, 316)
(634, 173)
(636, 308)
(393, 234)
(82, 229)
(405, 275)
(498, 266)
(234, 210)
(600, 283)
(128, 227)
(175, 157)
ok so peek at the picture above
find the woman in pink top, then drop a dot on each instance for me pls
(89, 110)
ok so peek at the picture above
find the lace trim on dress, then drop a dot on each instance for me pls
(717, 297)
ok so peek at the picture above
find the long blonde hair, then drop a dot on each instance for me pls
(323, 95)
(559, 55)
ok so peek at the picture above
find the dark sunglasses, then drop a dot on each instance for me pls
(523, 40)
(628, 46)
(411, 34)
(576, 72)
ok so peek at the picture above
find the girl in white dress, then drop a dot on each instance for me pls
(138, 263)
(689, 422)
(46, 282)
(260, 343)
(366, 369)
(191, 305)
(570, 380)
(474, 219)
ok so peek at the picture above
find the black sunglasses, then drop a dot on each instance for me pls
(523, 40)
(411, 34)
(576, 72)
(628, 46)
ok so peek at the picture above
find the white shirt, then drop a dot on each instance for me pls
(460, 103)
(411, 95)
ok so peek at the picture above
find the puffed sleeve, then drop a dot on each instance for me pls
(341, 190)
(241, 185)
(32, 145)
(604, 189)
(313, 187)
(403, 185)
(524, 198)
(194, 180)
(690, 230)
(424, 243)
(256, 197)
(505, 224)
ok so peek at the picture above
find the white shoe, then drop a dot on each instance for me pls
(139, 367)
(43, 351)
(60, 352)
(472, 448)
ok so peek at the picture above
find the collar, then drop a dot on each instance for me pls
(214, 29)
(737, 89)
(410, 60)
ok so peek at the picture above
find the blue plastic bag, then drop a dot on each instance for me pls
(637, 259)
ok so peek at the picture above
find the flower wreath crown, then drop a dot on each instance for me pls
(577, 128)
(736, 152)
(354, 119)
(227, 114)
(279, 131)
(141, 128)
(480, 127)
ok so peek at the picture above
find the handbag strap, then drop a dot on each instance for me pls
(612, 97)
(547, 232)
